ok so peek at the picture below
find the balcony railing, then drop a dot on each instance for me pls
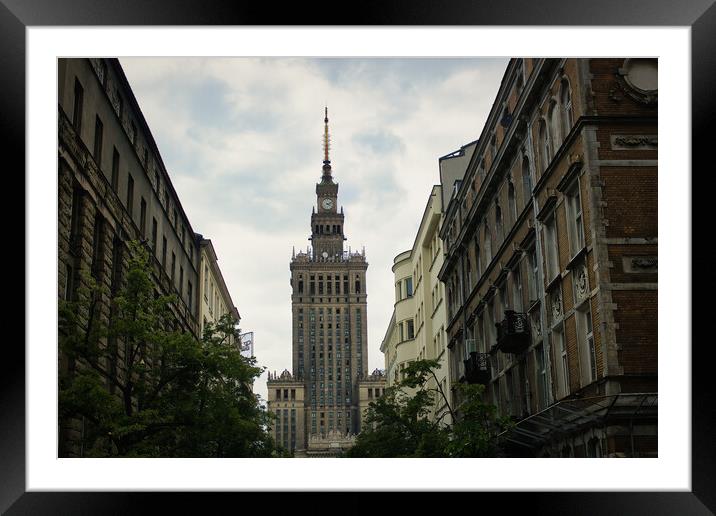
(513, 332)
(477, 368)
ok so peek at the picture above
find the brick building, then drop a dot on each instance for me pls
(113, 187)
(550, 269)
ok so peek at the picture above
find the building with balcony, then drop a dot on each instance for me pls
(551, 257)
(417, 327)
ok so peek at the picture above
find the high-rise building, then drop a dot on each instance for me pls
(330, 333)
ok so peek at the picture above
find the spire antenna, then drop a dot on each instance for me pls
(326, 146)
(326, 140)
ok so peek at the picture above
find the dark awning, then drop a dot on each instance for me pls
(567, 416)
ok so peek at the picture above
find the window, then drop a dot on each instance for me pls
(517, 289)
(409, 287)
(206, 282)
(589, 365)
(174, 262)
(130, 195)
(541, 376)
(559, 346)
(164, 252)
(533, 275)
(488, 246)
(498, 222)
(115, 169)
(565, 99)
(511, 203)
(357, 286)
(143, 217)
(154, 235)
(555, 129)
(478, 257)
(116, 264)
(410, 329)
(543, 145)
(98, 247)
(181, 280)
(551, 248)
(526, 180)
(77, 109)
(133, 133)
(574, 217)
(97, 152)
(190, 295)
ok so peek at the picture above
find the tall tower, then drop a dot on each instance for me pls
(329, 317)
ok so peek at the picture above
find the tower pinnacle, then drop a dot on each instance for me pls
(326, 146)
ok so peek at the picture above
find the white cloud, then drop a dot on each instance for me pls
(241, 139)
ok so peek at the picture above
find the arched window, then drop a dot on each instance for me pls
(478, 257)
(488, 245)
(565, 99)
(526, 179)
(544, 150)
(512, 204)
(555, 129)
(498, 222)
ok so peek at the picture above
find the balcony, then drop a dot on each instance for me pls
(513, 333)
(477, 368)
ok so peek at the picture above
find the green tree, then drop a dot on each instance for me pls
(143, 388)
(397, 424)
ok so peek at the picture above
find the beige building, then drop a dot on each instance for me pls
(417, 327)
(370, 389)
(286, 400)
(214, 297)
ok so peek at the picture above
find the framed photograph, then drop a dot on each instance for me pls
(468, 53)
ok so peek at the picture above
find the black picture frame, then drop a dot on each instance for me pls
(700, 15)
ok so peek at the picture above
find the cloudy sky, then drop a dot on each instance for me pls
(242, 141)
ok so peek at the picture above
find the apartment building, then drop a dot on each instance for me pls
(551, 260)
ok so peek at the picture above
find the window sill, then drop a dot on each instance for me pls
(576, 258)
(551, 283)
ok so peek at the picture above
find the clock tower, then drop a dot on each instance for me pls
(330, 341)
(326, 222)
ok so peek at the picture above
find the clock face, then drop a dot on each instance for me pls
(327, 204)
(325, 254)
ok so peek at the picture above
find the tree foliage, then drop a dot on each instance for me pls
(397, 424)
(141, 388)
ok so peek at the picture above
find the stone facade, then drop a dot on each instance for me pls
(112, 188)
(551, 257)
(286, 400)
